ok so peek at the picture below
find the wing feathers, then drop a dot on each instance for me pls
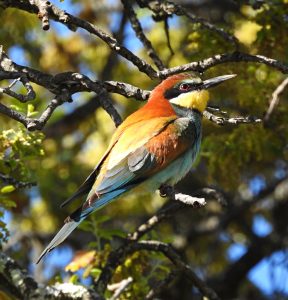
(133, 156)
(84, 188)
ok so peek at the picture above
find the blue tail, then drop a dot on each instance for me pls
(77, 217)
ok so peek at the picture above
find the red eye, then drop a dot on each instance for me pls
(184, 87)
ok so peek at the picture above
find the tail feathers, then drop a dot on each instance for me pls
(78, 216)
(60, 237)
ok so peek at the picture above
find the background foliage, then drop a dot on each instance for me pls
(245, 162)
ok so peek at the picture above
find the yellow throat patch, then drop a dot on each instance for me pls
(193, 100)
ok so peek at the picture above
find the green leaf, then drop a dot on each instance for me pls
(73, 279)
(7, 189)
(95, 272)
(7, 203)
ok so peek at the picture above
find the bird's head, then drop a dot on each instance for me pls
(187, 90)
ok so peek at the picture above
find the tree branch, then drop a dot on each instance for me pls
(43, 14)
(16, 282)
(73, 23)
(161, 286)
(230, 120)
(117, 256)
(136, 25)
(162, 9)
(203, 65)
(22, 98)
(119, 287)
(170, 253)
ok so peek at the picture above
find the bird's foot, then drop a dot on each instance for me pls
(68, 219)
(166, 190)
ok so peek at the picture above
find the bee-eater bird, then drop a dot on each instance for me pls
(155, 145)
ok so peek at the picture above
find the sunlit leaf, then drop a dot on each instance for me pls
(81, 260)
(7, 189)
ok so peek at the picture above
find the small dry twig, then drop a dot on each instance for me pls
(119, 287)
(275, 99)
(136, 25)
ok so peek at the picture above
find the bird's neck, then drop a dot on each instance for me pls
(187, 112)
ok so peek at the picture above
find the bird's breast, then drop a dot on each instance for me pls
(178, 168)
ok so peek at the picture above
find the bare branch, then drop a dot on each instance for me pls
(170, 253)
(73, 23)
(128, 6)
(17, 283)
(167, 33)
(38, 124)
(103, 97)
(202, 65)
(119, 287)
(275, 99)
(162, 9)
(14, 115)
(22, 98)
(230, 120)
(168, 191)
(117, 256)
(127, 90)
(162, 285)
(43, 14)
(62, 84)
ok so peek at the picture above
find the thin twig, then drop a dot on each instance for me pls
(162, 285)
(104, 99)
(164, 9)
(230, 120)
(167, 33)
(14, 115)
(119, 287)
(22, 98)
(38, 124)
(136, 25)
(275, 99)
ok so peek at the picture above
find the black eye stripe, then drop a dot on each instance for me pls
(177, 90)
(172, 93)
(190, 84)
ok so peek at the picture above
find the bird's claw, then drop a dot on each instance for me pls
(165, 190)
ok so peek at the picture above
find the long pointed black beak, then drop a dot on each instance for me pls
(216, 80)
